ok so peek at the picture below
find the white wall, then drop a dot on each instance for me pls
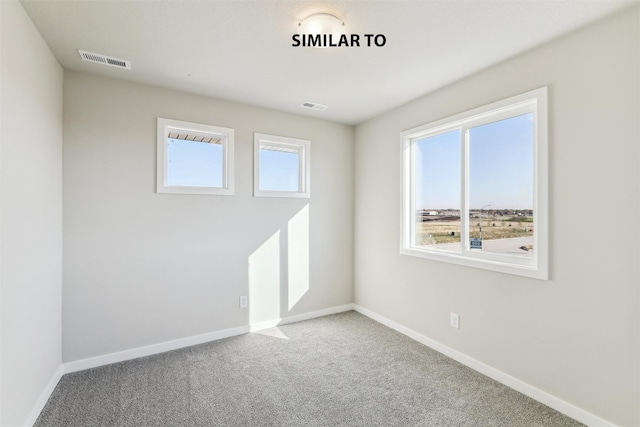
(575, 336)
(31, 216)
(142, 268)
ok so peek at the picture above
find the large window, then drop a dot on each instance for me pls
(281, 166)
(475, 187)
(194, 158)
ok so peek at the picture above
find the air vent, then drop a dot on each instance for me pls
(104, 59)
(312, 106)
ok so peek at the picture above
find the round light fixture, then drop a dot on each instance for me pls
(321, 23)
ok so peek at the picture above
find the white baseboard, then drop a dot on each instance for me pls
(121, 356)
(299, 317)
(44, 397)
(506, 379)
(134, 353)
(512, 382)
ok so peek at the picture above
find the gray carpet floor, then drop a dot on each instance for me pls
(339, 370)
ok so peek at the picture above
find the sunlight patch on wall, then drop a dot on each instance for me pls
(298, 262)
(264, 281)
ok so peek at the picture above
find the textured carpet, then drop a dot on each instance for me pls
(339, 370)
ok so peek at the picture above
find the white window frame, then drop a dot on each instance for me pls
(301, 146)
(165, 126)
(536, 267)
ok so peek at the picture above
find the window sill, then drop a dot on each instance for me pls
(474, 262)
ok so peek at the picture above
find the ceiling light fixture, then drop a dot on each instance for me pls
(321, 23)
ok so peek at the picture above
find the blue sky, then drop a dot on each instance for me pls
(438, 171)
(279, 170)
(199, 164)
(500, 167)
(190, 163)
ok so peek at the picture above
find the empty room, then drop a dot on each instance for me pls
(319, 213)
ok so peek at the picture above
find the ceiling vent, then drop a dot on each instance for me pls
(313, 106)
(104, 59)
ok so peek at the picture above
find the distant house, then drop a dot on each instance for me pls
(449, 212)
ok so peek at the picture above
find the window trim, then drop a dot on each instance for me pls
(227, 134)
(302, 146)
(534, 101)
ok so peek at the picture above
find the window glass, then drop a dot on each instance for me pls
(194, 164)
(279, 169)
(501, 186)
(437, 191)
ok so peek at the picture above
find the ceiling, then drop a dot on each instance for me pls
(240, 50)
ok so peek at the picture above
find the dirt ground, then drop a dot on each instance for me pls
(440, 231)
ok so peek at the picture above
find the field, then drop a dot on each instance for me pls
(447, 229)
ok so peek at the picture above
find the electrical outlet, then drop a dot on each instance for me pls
(244, 302)
(455, 320)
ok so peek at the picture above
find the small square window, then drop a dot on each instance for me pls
(194, 158)
(281, 166)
